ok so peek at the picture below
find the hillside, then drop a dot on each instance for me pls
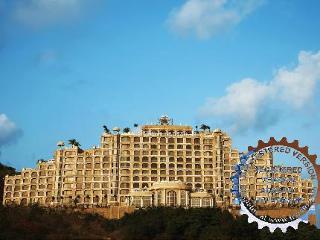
(155, 223)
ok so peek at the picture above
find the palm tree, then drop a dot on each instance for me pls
(40, 160)
(106, 129)
(74, 143)
(135, 125)
(126, 130)
(204, 127)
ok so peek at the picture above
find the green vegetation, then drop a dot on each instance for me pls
(106, 129)
(201, 223)
(73, 142)
(34, 222)
(205, 127)
(126, 130)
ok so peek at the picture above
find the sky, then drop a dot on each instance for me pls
(248, 67)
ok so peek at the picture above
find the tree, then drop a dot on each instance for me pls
(204, 127)
(105, 129)
(135, 125)
(74, 143)
(126, 130)
(40, 160)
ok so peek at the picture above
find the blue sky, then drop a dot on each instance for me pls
(251, 68)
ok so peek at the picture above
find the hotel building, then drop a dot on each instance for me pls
(156, 165)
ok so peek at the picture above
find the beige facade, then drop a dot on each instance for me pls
(161, 164)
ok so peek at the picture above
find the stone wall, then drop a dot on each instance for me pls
(114, 212)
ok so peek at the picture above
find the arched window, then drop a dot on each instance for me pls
(145, 178)
(23, 202)
(96, 199)
(171, 198)
(136, 178)
(163, 166)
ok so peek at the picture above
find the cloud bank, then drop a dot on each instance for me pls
(252, 104)
(9, 132)
(206, 18)
(40, 13)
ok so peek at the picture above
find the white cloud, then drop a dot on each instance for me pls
(247, 103)
(39, 13)
(206, 18)
(297, 86)
(241, 103)
(9, 132)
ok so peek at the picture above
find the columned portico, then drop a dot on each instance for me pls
(171, 193)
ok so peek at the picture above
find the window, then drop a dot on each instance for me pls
(183, 199)
(136, 178)
(146, 201)
(195, 202)
(206, 202)
(172, 198)
(136, 201)
(159, 200)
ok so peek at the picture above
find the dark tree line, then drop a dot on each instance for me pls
(34, 222)
(202, 223)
